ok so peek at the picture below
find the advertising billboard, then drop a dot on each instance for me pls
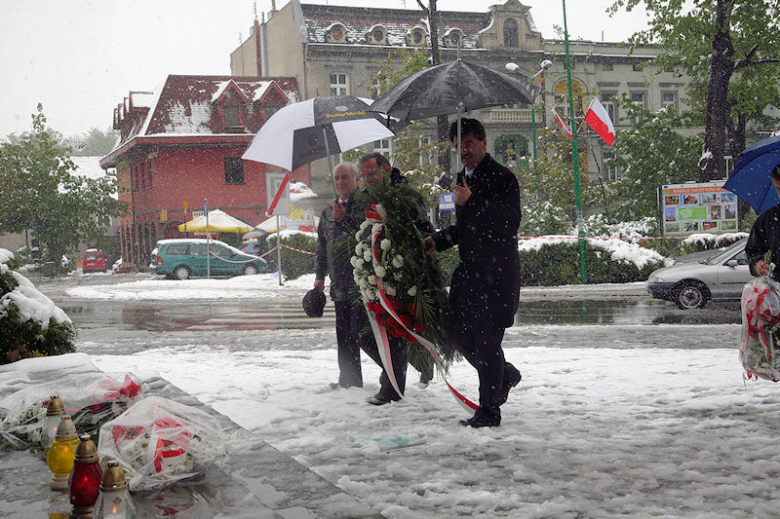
(697, 208)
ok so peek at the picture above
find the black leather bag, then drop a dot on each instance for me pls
(314, 303)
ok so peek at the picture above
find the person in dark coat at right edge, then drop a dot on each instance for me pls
(765, 236)
(485, 288)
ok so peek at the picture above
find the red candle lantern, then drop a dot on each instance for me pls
(85, 479)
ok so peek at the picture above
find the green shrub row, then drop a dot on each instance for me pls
(294, 263)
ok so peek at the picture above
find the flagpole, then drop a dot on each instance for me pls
(575, 157)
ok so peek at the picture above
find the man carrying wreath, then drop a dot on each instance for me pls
(485, 288)
(375, 171)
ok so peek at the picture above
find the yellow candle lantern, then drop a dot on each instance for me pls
(62, 453)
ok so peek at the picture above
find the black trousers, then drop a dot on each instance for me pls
(481, 346)
(348, 338)
(397, 357)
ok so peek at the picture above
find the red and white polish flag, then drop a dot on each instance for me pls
(598, 119)
(563, 125)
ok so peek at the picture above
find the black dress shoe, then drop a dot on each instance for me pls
(380, 399)
(512, 377)
(483, 418)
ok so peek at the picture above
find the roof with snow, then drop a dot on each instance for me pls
(191, 105)
(397, 23)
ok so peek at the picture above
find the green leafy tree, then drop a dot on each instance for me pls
(730, 49)
(40, 192)
(551, 176)
(94, 143)
(651, 154)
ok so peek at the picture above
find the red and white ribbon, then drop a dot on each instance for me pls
(380, 331)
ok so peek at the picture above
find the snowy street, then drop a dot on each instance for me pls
(636, 420)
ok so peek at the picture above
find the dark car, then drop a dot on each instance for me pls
(696, 279)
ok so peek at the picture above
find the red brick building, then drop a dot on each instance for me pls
(183, 144)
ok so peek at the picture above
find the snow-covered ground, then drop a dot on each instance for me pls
(639, 421)
(592, 431)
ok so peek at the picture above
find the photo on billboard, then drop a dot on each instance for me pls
(694, 208)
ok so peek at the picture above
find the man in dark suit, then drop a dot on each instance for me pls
(338, 222)
(485, 288)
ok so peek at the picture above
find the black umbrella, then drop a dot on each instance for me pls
(454, 87)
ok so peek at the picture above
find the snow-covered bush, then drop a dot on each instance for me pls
(31, 325)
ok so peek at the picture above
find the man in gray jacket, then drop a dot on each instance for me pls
(338, 221)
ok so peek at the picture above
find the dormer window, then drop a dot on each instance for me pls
(377, 35)
(453, 38)
(510, 33)
(416, 37)
(336, 33)
(231, 114)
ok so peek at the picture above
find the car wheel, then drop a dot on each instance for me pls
(250, 270)
(181, 272)
(690, 295)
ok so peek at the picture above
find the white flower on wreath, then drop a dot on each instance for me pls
(359, 262)
(384, 244)
(376, 228)
(363, 284)
(353, 261)
(412, 291)
(380, 271)
(358, 235)
(367, 255)
(398, 261)
(359, 248)
(365, 224)
(372, 279)
(390, 290)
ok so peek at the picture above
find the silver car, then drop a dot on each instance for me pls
(690, 284)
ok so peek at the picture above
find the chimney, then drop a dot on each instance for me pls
(258, 49)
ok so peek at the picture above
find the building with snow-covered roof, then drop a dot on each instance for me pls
(333, 50)
(182, 144)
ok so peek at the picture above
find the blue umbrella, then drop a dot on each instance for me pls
(750, 180)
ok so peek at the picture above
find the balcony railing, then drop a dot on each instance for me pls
(510, 115)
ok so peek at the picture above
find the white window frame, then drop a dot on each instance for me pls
(607, 99)
(669, 102)
(643, 104)
(383, 146)
(610, 172)
(337, 87)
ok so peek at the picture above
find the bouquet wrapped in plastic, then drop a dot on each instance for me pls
(760, 318)
(160, 442)
(91, 399)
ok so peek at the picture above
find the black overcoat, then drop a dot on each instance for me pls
(485, 286)
(765, 236)
(333, 253)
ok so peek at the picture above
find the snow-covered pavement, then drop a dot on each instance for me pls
(592, 431)
(632, 420)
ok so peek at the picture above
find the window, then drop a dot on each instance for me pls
(510, 32)
(234, 170)
(611, 172)
(608, 100)
(270, 110)
(729, 167)
(669, 101)
(383, 146)
(198, 249)
(607, 67)
(231, 116)
(339, 84)
(639, 99)
(177, 248)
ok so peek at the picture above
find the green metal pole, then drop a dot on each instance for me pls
(575, 157)
(533, 133)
